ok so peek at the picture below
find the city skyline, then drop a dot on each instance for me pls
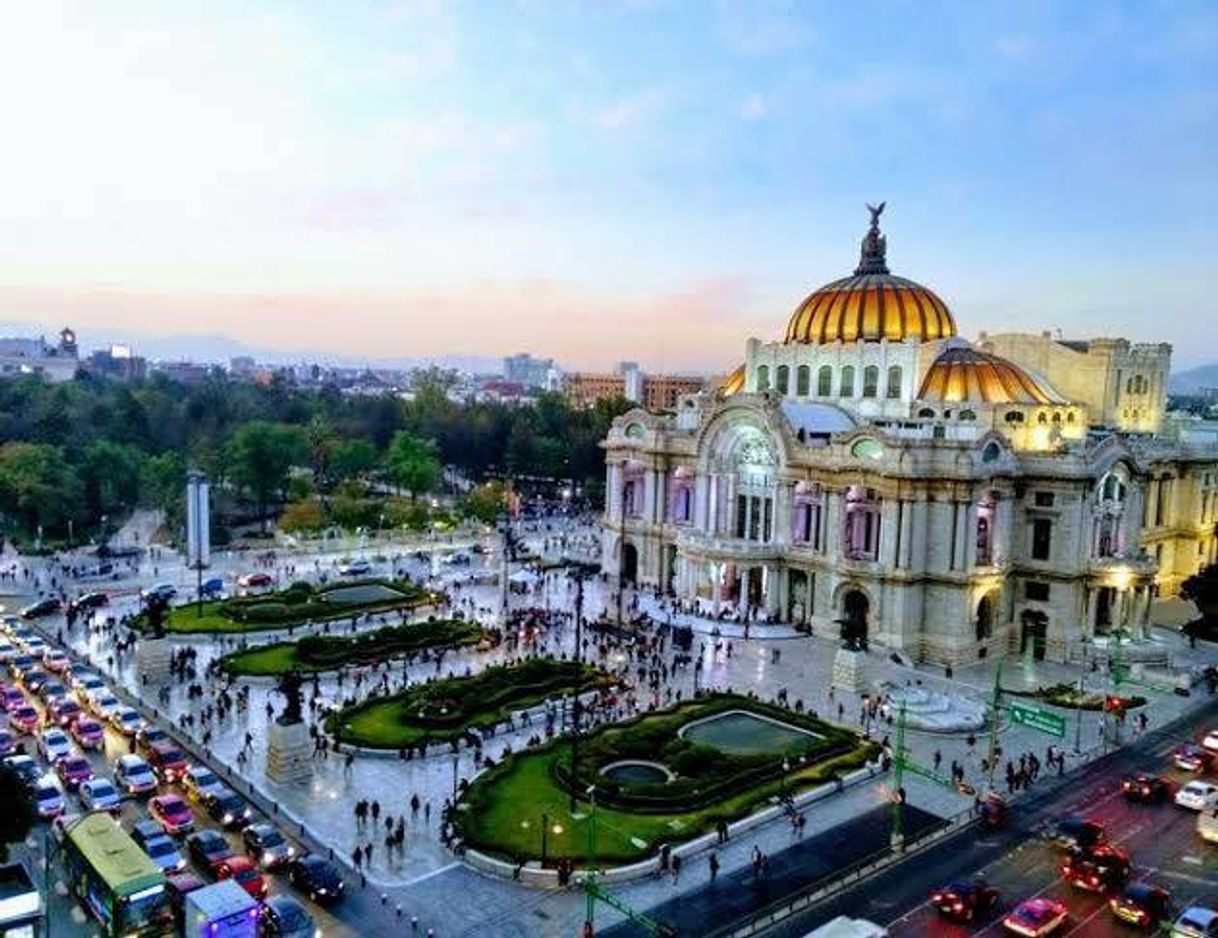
(649, 181)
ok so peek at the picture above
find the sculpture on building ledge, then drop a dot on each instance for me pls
(291, 685)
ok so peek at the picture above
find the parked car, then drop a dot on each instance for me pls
(73, 771)
(226, 807)
(126, 720)
(1035, 917)
(167, 761)
(99, 794)
(160, 848)
(88, 733)
(1198, 796)
(1142, 904)
(244, 872)
(44, 607)
(285, 917)
(267, 845)
(54, 744)
(134, 775)
(317, 878)
(172, 813)
(1192, 758)
(24, 718)
(208, 848)
(198, 780)
(48, 799)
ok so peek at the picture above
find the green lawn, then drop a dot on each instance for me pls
(501, 812)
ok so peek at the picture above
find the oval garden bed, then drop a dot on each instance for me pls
(330, 652)
(447, 709)
(1067, 696)
(635, 814)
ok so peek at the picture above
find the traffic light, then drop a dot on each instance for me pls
(1113, 704)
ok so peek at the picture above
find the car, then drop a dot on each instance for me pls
(73, 771)
(267, 845)
(24, 768)
(37, 647)
(1096, 869)
(20, 663)
(133, 775)
(1198, 796)
(208, 848)
(56, 661)
(172, 813)
(88, 601)
(34, 678)
(24, 718)
(244, 872)
(48, 799)
(126, 720)
(285, 917)
(1141, 904)
(1197, 921)
(212, 587)
(8, 745)
(167, 761)
(198, 780)
(355, 568)
(160, 849)
(226, 808)
(85, 682)
(104, 703)
(1077, 831)
(99, 794)
(11, 696)
(1210, 741)
(54, 744)
(317, 878)
(1192, 758)
(162, 591)
(965, 900)
(52, 690)
(65, 711)
(148, 736)
(88, 733)
(44, 607)
(179, 886)
(251, 580)
(1035, 917)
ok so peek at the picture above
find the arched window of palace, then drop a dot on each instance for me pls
(803, 377)
(1108, 538)
(871, 381)
(824, 381)
(847, 388)
(741, 489)
(632, 489)
(782, 379)
(861, 529)
(986, 516)
(894, 383)
(926, 413)
(807, 515)
(681, 496)
(763, 378)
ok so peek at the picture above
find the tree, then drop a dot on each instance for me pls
(110, 474)
(262, 455)
(412, 464)
(351, 459)
(38, 487)
(304, 516)
(19, 812)
(485, 502)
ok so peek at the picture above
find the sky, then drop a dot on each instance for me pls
(601, 180)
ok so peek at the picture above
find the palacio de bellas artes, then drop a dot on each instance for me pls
(951, 500)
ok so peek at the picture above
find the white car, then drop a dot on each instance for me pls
(359, 567)
(199, 780)
(55, 744)
(1198, 796)
(1211, 741)
(104, 703)
(126, 720)
(99, 794)
(134, 775)
(165, 591)
(48, 798)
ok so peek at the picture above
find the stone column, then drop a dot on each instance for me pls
(906, 514)
(961, 516)
(773, 590)
(742, 598)
(917, 535)
(888, 533)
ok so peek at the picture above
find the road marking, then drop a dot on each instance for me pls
(427, 876)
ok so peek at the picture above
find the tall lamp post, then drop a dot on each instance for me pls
(581, 571)
(621, 545)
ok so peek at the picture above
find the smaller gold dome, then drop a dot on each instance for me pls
(963, 374)
(733, 383)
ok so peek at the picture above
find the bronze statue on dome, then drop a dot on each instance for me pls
(874, 249)
(876, 211)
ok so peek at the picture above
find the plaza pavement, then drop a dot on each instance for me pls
(455, 900)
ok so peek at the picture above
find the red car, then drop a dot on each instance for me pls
(88, 733)
(1036, 917)
(73, 770)
(167, 761)
(24, 718)
(172, 813)
(10, 697)
(65, 711)
(255, 579)
(243, 870)
(1192, 758)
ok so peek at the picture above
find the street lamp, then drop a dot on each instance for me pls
(786, 767)
(545, 827)
(456, 767)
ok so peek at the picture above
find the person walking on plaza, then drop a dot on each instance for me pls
(714, 866)
(676, 869)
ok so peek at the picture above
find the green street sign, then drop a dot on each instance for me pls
(1038, 719)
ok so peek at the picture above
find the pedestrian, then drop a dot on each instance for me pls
(714, 866)
(357, 857)
(676, 869)
(938, 759)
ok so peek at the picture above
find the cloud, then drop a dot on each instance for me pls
(627, 112)
(754, 107)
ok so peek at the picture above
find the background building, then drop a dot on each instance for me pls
(629, 382)
(22, 356)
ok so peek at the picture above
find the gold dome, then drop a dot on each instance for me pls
(872, 305)
(733, 383)
(963, 374)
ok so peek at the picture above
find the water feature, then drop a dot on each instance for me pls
(637, 772)
(748, 734)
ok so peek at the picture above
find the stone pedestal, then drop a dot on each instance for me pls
(848, 670)
(289, 753)
(153, 657)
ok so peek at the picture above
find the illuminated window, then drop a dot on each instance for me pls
(802, 380)
(894, 382)
(847, 388)
(824, 381)
(871, 381)
(782, 379)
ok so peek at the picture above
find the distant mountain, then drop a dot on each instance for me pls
(220, 348)
(1194, 379)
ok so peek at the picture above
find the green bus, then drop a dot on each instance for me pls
(114, 879)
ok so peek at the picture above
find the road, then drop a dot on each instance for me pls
(1161, 839)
